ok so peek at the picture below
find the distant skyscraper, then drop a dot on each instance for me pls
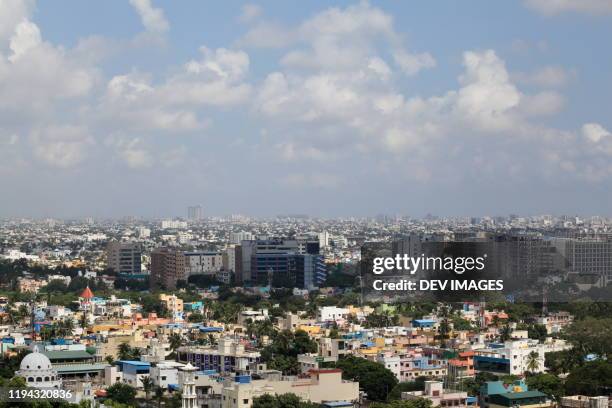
(124, 257)
(194, 213)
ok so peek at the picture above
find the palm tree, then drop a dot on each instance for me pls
(505, 333)
(68, 326)
(84, 321)
(533, 361)
(22, 312)
(176, 341)
(109, 359)
(159, 396)
(125, 351)
(147, 385)
(444, 329)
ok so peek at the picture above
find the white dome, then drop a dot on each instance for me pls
(35, 361)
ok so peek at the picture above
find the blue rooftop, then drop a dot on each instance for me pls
(135, 362)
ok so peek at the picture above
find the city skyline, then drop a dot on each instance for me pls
(146, 107)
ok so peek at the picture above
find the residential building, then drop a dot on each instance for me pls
(194, 213)
(167, 267)
(124, 258)
(229, 356)
(439, 397)
(320, 386)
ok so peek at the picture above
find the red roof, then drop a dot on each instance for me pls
(87, 293)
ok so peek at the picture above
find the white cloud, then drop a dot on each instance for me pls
(250, 12)
(216, 80)
(411, 64)
(223, 64)
(380, 68)
(267, 35)
(487, 96)
(339, 39)
(152, 18)
(26, 37)
(595, 133)
(9, 140)
(553, 7)
(13, 12)
(61, 145)
(547, 77)
(135, 102)
(28, 91)
(542, 104)
(132, 102)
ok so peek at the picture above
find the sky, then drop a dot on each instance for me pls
(145, 107)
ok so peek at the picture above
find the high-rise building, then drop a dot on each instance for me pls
(167, 267)
(286, 262)
(587, 256)
(124, 258)
(194, 213)
(203, 263)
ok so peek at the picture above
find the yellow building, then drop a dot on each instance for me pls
(172, 303)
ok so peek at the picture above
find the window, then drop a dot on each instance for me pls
(163, 378)
(245, 401)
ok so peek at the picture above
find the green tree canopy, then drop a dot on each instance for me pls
(375, 379)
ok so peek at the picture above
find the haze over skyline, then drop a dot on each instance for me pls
(143, 107)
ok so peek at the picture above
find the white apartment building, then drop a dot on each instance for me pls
(200, 262)
(513, 357)
(333, 314)
(165, 373)
(173, 224)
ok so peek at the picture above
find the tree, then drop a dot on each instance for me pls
(461, 324)
(122, 393)
(411, 403)
(282, 401)
(537, 331)
(159, 395)
(176, 341)
(592, 378)
(147, 386)
(417, 385)
(533, 361)
(195, 317)
(282, 353)
(84, 321)
(55, 285)
(375, 379)
(505, 333)
(549, 384)
(591, 336)
(175, 401)
(560, 362)
(125, 351)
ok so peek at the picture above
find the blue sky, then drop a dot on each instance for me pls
(143, 107)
